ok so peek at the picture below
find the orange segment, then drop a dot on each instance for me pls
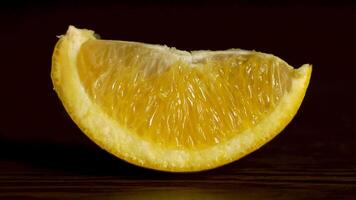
(172, 110)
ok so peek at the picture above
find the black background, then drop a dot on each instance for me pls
(317, 148)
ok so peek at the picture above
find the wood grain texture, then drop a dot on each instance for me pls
(58, 172)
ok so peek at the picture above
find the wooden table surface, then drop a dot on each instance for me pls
(43, 155)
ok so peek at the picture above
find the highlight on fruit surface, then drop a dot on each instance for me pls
(172, 110)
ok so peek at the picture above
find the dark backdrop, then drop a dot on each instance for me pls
(35, 130)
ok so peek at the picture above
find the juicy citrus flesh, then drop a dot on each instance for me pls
(174, 107)
(184, 105)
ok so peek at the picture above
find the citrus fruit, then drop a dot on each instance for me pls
(172, 110)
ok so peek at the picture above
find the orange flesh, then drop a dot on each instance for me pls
(181, 105)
